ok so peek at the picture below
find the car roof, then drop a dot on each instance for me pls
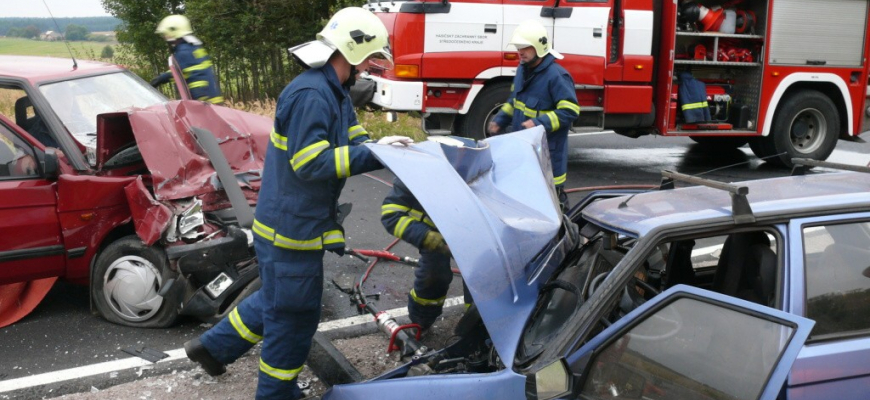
(807, 195)
(38, 69)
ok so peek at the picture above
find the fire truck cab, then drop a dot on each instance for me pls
(789, 77)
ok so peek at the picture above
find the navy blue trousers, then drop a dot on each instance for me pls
(432, 278)
(283, 314)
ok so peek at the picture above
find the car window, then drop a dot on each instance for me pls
(837, 262)
(18, 107)
(689, 349)
(16, 157)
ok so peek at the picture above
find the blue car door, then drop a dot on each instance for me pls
(687, 343)
(830, 266)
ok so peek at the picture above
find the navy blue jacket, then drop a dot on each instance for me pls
(693, 99)
(309, 156)
(546, 96)
(404, 217)
(196, 66)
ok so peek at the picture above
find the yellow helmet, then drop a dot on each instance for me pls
(174, 27)
(357, 34)
(532, 33)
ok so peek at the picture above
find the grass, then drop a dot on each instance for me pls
(29, 47)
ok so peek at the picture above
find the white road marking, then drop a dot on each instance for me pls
(176, 354)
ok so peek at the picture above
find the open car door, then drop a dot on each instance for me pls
(687, 343)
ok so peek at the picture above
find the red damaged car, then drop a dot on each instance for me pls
(104, 182)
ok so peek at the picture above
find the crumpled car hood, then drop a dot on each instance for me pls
(179, 167)
(495, 225)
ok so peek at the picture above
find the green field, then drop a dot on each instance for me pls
(29, 47)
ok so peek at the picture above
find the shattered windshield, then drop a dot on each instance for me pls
(77, 102)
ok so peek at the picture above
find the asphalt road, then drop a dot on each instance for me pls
(62, 333)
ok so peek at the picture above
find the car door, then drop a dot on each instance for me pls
(31, 246)
(830, 263)
(687, 343)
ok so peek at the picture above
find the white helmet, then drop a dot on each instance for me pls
(174, 27)
(532, 33)
(356, 33)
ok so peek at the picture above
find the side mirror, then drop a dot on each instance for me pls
(50, 164)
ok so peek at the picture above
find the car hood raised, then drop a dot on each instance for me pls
(178, 165)
(496, 224)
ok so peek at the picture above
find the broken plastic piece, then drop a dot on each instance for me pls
(146, 353)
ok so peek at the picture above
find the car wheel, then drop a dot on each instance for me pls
(807, 125)
(728, 142)
(128, 278)
(483, 110)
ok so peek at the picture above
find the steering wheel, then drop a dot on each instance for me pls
(667, 319)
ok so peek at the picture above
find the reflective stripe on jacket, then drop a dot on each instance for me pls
(308, 158)
(404, 217)
(547, 97)
(196, 66)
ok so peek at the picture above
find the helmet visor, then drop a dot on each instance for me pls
(380, 61)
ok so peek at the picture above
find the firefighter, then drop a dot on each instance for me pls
(542, 94)
(192, 59)
(404, 217)
(307, 160)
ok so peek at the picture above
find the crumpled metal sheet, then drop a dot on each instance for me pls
(150, 217)
(495, 225)
(179, 168)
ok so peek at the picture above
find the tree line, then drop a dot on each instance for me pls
(92, 24)
(247, 39)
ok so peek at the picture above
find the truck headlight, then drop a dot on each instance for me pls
(551, 381)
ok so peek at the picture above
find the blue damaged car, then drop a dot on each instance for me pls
(751, 290)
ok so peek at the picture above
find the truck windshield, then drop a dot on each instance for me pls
(77, 102)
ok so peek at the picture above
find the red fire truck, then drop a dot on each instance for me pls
(787, 76)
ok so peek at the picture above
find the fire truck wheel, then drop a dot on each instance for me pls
(806, 125)
(483, 110)
(128, 277)
(731, 142)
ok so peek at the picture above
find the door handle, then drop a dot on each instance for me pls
(596, 32)
(490, 28)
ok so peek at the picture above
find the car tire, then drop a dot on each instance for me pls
(483, 110)
(128, 277)
(806, 125)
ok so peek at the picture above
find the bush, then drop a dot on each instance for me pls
(107, 52)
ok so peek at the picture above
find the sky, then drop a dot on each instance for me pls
(60, 8)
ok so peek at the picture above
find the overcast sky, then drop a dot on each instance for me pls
(60, 8)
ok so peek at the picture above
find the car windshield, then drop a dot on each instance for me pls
(77, 102)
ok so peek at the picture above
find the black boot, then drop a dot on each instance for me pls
(197, 353)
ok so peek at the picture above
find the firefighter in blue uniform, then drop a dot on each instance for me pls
(404, 217)
(309, 156)
(194, 61)
(542, 94)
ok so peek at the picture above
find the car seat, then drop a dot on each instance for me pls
(747, 268)
(679, 266)
(35, 126)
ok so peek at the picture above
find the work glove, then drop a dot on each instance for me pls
(161, 79)
(396, 140)
(435, 242)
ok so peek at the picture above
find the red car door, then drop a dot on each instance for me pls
(31, 246)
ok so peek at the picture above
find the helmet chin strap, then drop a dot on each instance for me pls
(530, 62)
(352, 79)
